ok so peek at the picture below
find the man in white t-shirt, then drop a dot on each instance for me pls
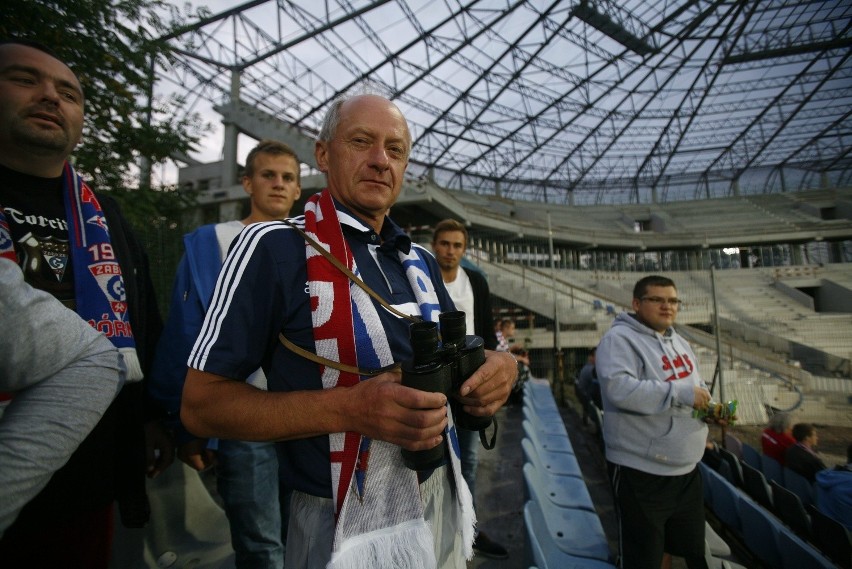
(246, 472)
(469, 291)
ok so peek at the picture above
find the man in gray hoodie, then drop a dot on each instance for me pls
(650, 385)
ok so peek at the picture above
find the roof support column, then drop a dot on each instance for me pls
(229, 148)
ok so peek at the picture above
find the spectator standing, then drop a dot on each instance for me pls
(77, 246)
(650, 385)
(834, 491)
(246, 471)
(777, 437)
(802, 457)
(324, 344)
(62, 375)
(469, 290)
(587, 381)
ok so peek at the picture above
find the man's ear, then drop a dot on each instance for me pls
(246, 181)
(321, 155)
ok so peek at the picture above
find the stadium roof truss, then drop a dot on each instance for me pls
(581, 101)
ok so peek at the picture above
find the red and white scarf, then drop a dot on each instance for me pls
(380, 516)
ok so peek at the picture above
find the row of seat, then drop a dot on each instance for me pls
(563, 529)
(790, 497)
(766, 537)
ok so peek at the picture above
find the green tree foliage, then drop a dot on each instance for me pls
(111, 45)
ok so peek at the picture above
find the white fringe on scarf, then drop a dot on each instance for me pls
(408, 545)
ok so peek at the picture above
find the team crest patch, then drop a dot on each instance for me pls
(108, 277)
(55, 254)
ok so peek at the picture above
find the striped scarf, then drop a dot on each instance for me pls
(379, 518)
(98, 283)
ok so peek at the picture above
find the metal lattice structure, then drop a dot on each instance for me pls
(564, 101)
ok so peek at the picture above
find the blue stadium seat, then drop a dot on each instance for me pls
(752, 457)
(733, 462)
(578, 533)
(800, 486)
(772, 469)
(797, 554)
(761, 531)
(543, 550)
(558, 463)
(790, 510)
(725, 500)
(831, 537)
(733, 444)
(563, 491)
(754, 483)
(547, 424)
(705, 483)
(545, 442)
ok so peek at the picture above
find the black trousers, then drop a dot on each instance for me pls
(658, 514)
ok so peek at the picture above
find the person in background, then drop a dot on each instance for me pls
(76, 245)
(246, 471)
(587, 381)
(802, 457)
(777, 437)
(505, 333)
(292, 298)
(62, 375)
(469, 291)
(834, 491)
(650, 385)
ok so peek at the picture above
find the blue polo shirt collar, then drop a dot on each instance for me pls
(392, 237)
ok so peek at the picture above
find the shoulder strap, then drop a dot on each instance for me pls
(352, 277)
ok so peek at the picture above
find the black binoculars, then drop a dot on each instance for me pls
(443, 367)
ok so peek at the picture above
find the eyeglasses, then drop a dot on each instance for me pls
(673, 302)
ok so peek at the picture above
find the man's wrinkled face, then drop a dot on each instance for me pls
(41, 103)
(449, 248)
(366, 158)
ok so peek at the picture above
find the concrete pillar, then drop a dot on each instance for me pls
(229, 147)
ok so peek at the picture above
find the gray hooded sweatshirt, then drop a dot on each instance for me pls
(647, 381)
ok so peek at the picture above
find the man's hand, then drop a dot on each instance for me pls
(159, 448)
(702, 398)
(196, 455)
(381, 408)
(488, 388)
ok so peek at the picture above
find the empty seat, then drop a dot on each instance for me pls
(761, 531)
(772, 469)
(733, 444)
(756, 486)
(734, 463)
(799, 485)
(543, 549)
(831, 537)
(790, 510)
(752, 457)
(559, 463)
(545, 442)
(797, 554)
(547, 424)
(576, 532)
(725, 500)
(563, 491)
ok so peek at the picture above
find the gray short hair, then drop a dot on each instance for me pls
(781, 422)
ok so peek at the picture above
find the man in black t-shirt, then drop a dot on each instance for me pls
(78, 247)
